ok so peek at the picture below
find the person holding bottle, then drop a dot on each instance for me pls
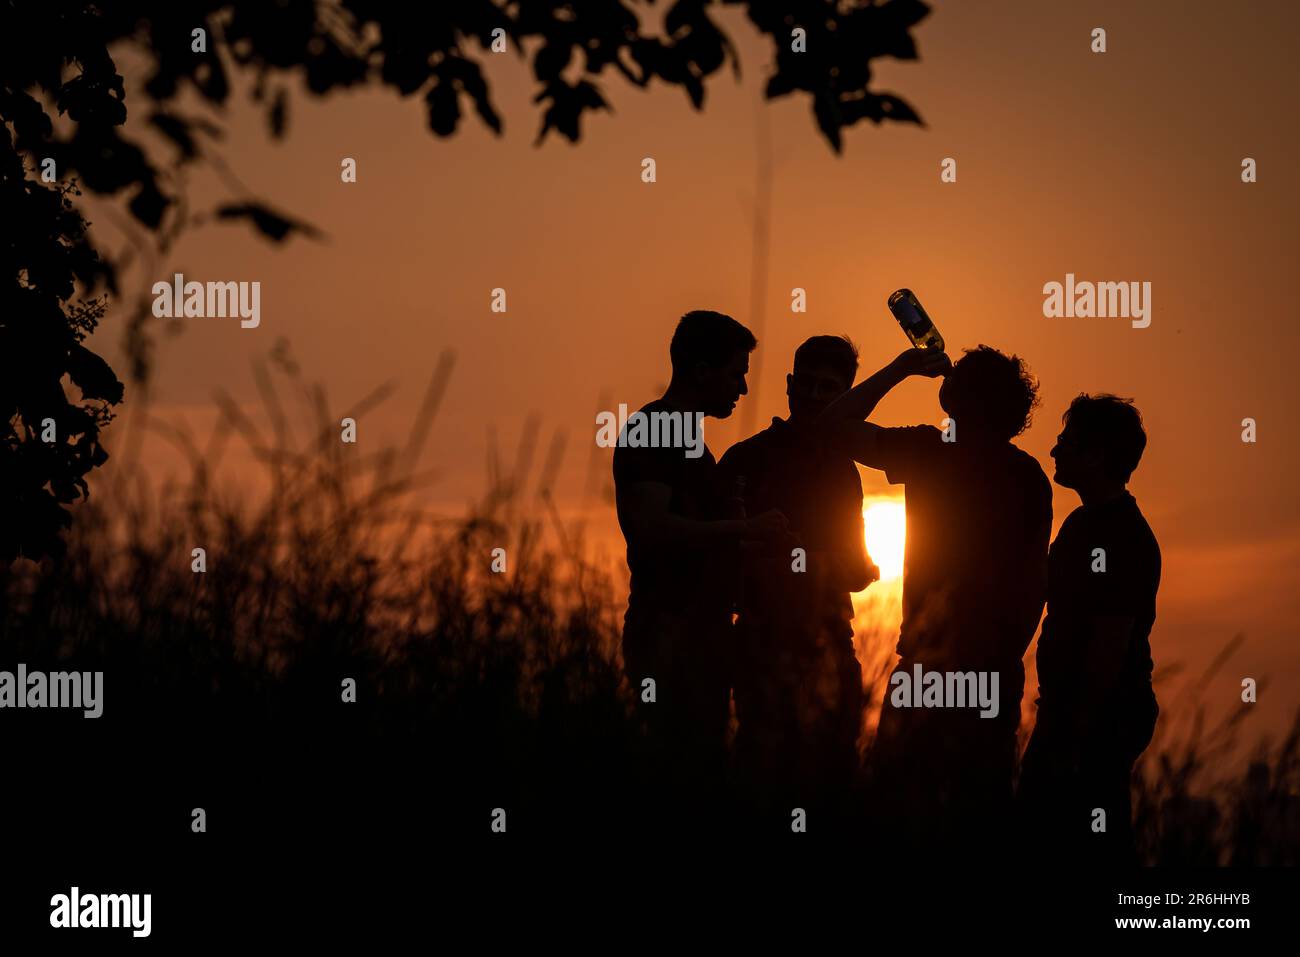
(979, 515)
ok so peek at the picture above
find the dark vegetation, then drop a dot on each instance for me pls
(475, 690)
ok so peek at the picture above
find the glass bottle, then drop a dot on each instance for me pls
(911, 315)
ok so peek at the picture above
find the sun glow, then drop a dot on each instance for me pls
(886, 533)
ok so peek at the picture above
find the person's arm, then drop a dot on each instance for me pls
(1103, 661)
(858, 440)
(643, 508)
(846, 570)
(1033, 571)
(1118, 598)
(851, 566)
(858, 570)
(861, 400)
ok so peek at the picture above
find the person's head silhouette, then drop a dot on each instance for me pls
(1101, 443)
(824, 369)
(710, 356)
(989, 395)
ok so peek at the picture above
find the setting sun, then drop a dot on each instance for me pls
(886, 533)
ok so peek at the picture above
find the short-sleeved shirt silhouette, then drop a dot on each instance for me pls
(819, 491)
(979, 518)
(687, 581)
(1078, 594)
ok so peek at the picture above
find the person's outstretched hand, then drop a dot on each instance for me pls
(930, 363)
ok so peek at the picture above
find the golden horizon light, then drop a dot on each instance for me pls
(885, 523)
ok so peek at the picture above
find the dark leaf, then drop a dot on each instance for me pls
(779, 84)
(29, 118)
(148, 204)
(646, 53)
(905, 13)
(210, 78)
(470, 78)
(444, 108)
(684, 15)
(861, 108)
(695, 89)
(87, 99)
(588, 96)
(93, 375)
(177, 130)
(828, 116)
(704, 47)
(551, 60)
(902, 47)
(277, 116)
(270, 224)
(64, 488)
(895, 108)
(406, 68)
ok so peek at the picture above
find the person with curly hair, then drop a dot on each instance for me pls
(979, 517)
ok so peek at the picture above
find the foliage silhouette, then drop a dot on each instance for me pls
(474, 689)
(60, 57)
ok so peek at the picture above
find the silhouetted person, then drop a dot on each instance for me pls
(1096, 708)
(979, 514)
(681, 551)
(798, 685)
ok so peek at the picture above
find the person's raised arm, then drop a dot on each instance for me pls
(861, 400)
(855, 439)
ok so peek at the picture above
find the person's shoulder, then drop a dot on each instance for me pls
(755, 443)
(636, 461)
(1075, 540)
(746, 454)
(1025, 461)
(655, 405)
(1031, 472)
(1139, 527)
(1029, 463)
(625, 457)
(1077, 519)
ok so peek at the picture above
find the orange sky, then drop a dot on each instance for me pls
(1115, 167)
